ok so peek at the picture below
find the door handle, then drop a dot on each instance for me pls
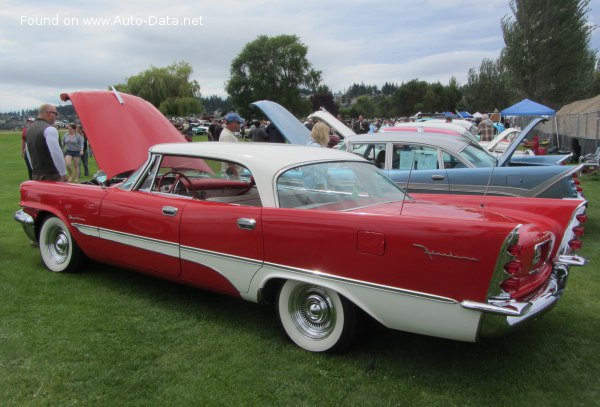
(169, 210)
(437, 177)
(245, 223)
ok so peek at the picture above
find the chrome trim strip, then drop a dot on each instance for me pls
(564, 248)
(185, 252)
(141, 242)
(396, 290)
(194, 250)
(87, 230)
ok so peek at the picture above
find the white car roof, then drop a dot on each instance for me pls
(264, 160)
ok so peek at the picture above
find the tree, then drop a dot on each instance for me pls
(324, 98)
(489, 88)
(408, 99)
(548, 49)
(169, 89)
(363, 106)
(273, 68)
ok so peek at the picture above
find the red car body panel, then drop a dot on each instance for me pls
(136, 122)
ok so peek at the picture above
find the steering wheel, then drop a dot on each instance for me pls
(179, 178)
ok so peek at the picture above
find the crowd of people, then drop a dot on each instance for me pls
(49, 156)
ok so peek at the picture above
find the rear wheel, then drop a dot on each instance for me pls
(316, 318)
(59, 251)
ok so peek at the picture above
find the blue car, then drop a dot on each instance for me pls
(442, 163)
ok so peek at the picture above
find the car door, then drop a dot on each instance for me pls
(141, 230)
(417, 168)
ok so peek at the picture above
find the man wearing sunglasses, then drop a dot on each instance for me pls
(43, 148)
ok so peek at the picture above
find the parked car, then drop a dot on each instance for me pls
(200, 129)
(259, 221)
(512, 151)
(444, 163)
(470, 126)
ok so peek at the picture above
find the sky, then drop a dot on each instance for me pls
(48, 48)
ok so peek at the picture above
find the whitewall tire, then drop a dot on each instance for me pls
(60, 253)
(315, 318)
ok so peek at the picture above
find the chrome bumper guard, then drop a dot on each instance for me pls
(500, 316)
(27, 222)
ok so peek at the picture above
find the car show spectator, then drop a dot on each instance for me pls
(485, 129)
(275, 135)
(258, 133)
(43, 147)
(319, 135)
(73, 143)
(232, 125)
(84, 156)
(24, 147)
(214, 130)
(361, 126)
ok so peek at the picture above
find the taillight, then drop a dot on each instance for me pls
(575, 244)
(513, 267)
(515, 250)
(578, 231)
(510, 286)
(582, 218)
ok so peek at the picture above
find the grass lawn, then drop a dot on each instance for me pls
(108, 336)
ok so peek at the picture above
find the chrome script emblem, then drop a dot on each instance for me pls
(432, 253)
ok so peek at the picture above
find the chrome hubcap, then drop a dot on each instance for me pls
(312, 311)
(57, 244)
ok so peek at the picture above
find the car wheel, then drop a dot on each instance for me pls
(59, 251)
(316, 318)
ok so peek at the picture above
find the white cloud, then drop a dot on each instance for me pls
(349, 41)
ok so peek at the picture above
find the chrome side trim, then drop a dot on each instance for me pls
(199, 256)
(381, 287)
(564, 249)
(494, 290)
(87, 230)
(141, 242)
(188, 251)
(27, 222)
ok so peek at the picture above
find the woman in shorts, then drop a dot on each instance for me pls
(73, 143)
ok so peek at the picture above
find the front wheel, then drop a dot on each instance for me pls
(59, 251)
(316, 318)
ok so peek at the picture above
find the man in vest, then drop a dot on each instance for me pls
(43, 148)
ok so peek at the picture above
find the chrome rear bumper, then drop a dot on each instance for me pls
(501, 316)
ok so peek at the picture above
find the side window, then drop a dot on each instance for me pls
(374, 152)
(202, 179)
(451, 161)
(415, 157)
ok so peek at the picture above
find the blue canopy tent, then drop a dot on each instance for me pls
(528, 107)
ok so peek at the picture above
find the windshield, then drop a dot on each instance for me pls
(478, 156)
(335, 186)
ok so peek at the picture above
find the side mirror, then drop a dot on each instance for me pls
(101, 178)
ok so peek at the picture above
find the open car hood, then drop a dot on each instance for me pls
(492, 145)
(287, 124)
(504, 160)
(121, 128)
(333, 122)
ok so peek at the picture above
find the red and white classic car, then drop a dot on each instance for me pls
(319, 233)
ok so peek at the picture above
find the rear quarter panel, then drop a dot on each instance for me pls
(438, 256)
